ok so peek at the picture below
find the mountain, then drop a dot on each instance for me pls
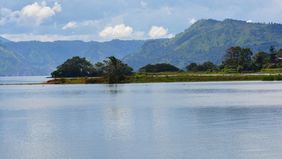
(41, 58)
(207, 40)
(3, 40)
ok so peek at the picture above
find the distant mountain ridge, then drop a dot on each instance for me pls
(207, 40)
(41, 58)
(3, 40)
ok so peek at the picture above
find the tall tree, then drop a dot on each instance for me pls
(193, 67)
(272, 51)
(261, 59)
(115, 70)
(238, 59)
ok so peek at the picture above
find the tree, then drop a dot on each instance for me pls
(261, 59)
(162, 67)
(75, 67)
(279, 56)
(115, 70)
(209, 66)
(205, 67)
(272, 51)
(100, 68)
(193, 67)
(238, 59)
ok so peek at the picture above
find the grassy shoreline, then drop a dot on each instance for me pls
(173, 77)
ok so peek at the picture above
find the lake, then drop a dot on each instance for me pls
(213, 120)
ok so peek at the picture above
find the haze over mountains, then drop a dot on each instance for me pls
(206, 40)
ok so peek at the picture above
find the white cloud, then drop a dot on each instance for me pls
(193, 20)
(249, 21)
(117, 31)
(34, 13)
(57, 7)
(47, 37)
(85, 23)
(158, 32)
(70, 25)
(39, 12)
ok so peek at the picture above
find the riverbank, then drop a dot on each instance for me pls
(173, 77)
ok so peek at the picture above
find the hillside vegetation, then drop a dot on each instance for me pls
(40, 58)
(207, 40)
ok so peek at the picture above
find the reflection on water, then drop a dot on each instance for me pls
(162, 121)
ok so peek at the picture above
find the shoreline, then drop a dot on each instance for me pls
(166, 77)
(172, 77)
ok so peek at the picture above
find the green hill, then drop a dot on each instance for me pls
(9, 62)
(207, 40)
(41, 58)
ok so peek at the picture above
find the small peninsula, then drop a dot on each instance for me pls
(239, 64)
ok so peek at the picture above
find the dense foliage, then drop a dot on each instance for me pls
(239, 59)
(112, 69)
(163, 67)
(205, 67)
(115, 70)
(75, 67)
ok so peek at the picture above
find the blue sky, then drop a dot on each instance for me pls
(102, 20)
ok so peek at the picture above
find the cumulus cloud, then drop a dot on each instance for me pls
(158, 32)
(34, 13)
(70, 25)
(117, 31)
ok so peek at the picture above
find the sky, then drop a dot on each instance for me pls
(103, 20)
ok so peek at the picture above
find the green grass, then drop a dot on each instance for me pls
(172, 77)
(201, 78)
(80, 80)
(272, 70)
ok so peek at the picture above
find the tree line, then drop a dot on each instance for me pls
(240, 60)
(236, 59)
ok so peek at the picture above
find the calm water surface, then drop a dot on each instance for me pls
(23, 80)
(234, 120)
